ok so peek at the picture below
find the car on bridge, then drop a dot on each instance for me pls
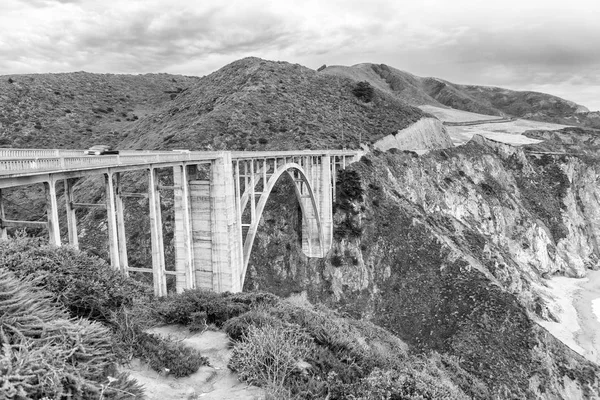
(99, 150)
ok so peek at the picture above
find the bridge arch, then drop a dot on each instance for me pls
(304, 190)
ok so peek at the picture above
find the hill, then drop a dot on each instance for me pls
(257, 104)
(248, 104)
(478, 99)
(76, 110)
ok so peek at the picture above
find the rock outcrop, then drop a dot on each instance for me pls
(425, 134)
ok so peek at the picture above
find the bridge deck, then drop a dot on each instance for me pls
(23, 163)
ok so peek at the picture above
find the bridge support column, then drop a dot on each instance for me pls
(122, 239)
(156, 235)
(184, 256)
(71, 217)
(52, 212)
(225, 224)
(3, 231)
(310, 223)
(326, 203)
(218, 254)
(111, 216)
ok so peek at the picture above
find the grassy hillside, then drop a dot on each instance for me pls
(256, 104)
(248, 104)
(76, 110)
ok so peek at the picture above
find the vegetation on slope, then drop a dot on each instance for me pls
(296, 350)
(79, 109)
(293, 349)
(256, 104)
(88, 288)
(48, 354)
(249, 104)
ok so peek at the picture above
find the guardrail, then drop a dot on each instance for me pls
(480, 122)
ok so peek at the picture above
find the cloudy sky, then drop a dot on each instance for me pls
(543, 45)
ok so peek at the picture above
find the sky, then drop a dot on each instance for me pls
(548, 46)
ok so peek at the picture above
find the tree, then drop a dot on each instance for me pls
(364, 91)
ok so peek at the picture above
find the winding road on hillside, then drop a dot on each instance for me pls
(480, 122)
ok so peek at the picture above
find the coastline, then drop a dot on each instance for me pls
(587, 304)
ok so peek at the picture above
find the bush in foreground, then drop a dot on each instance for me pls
(270, 355)
(87, 287)
(46, 353)
(84, 284)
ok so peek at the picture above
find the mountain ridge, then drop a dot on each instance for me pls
(490, 100)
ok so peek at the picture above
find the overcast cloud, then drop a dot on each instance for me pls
(550, 46)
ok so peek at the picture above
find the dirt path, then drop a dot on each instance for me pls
(216, 382)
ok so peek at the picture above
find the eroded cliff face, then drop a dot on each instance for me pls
(451, 251)
(425, 134)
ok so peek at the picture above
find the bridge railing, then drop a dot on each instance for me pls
(37, 153)
(30, 164)
(10, 153)
(81, 162)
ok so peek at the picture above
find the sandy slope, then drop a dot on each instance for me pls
(214, 382)
(507, 132)
(453, 115)
(577, 306)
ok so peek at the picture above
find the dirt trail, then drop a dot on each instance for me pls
(216, 382)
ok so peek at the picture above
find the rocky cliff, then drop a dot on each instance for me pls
(452, 252)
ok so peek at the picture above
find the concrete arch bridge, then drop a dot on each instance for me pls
(216, 216)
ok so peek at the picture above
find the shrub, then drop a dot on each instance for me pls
(197, 308)
(237, 327)
(392, 384)
(364, 91)
(268, 356)
(172, 357)
(84, 284)
(161, 354)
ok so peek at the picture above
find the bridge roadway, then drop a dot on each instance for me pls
(216, 219)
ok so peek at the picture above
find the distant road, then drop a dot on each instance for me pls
(480, 122)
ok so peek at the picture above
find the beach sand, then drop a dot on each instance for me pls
(586, 301)
(577, 305)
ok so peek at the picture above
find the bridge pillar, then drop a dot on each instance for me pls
(71, 217)
(156, 235)
(3, 231)
(111, 216)
(315, 242)
(122, 239)
(311, 241)
(218, 254)
(184, 256)
(52, 212)
(326, 203)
